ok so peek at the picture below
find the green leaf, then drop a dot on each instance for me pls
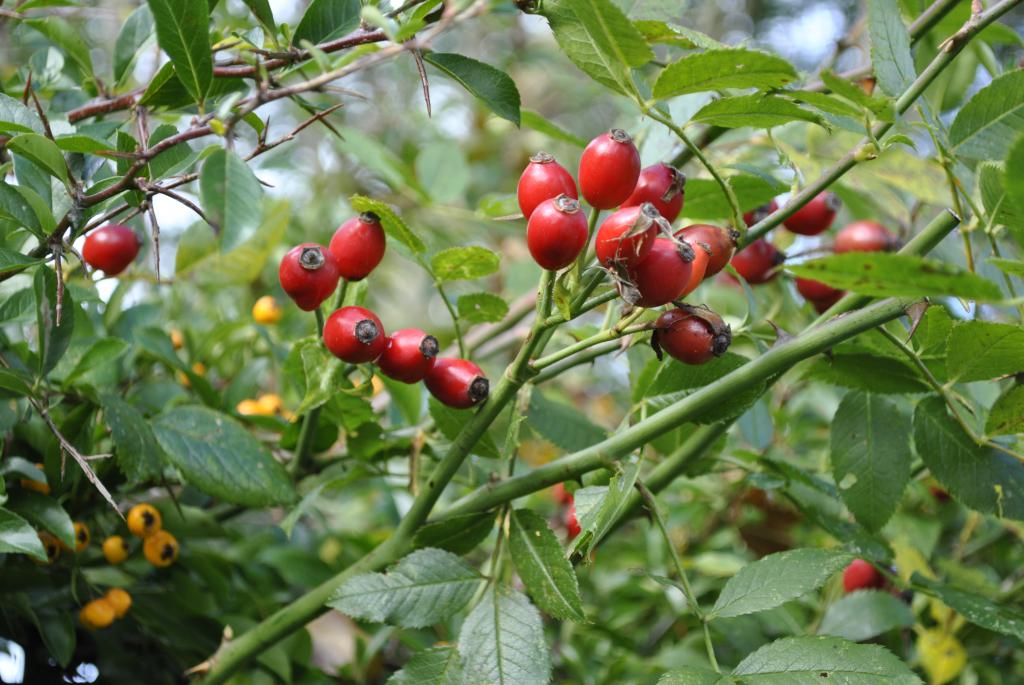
(78, 142)
(979, 610)
(232, 197)
(491, 86)
(990, 119)
(982, 478)
(325, 375)
(720, 69)
(457, 534)
(392, 224)
(219, 457)
(561, 424)
(979, 350)
(137, 29)
(537, 122)
(598, 508)
(1011, 210)
(869, 372)
(434, 666)
(664, 33)
(693, 676)
(705, 199)
(757, 111)
(451, 422)
(463, 263)
(327, 19)
(15, 117)
(877, 103)
(53, 338)
(1007, 414)
(482, 308)
(68, 38)
(1002, 207)
(546, 573)
(423, 588)
(42, 151)
(138, 455)
(12, 381)
(776, 579)
(502, 641)
(103, 351)
(825, 103)
(890, 47)
(15, 206)
(183, 32)
(817, 660)
(870, 447)
(43, 512)
(11, 261)
(261, 10)
(599, 39)
(864, 615)
(172, 160)
(1008, 266)
(18, 537)
(885, 274)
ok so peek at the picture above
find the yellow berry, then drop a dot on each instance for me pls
(177, 339)
(266, 311)
(269, 404)
(199, 369)
(144, 520)
(248, 408)
(115, 549)
(99, 613)
(81, 536)
(120, 600)
(161, 549)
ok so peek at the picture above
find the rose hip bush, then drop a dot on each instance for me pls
(492, 342)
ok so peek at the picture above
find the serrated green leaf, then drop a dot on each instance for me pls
(598, 508)
(219, 457)
(456, 534)
(546, 573)
(1008, 266)
(817, 660)
(183, 32)
(481, 308)
(979, 350)
(464, 263)
(777, 579)
(868, 372)
(103, 351)
(991, 118)
(502, 641)
(757, 111)
(705, 199)
(451, 422)
(1007, 414)
(890, 47)
(434, 666)
(138, 455)
(665, 33)
(392, 224)
(864, 615)
(327, 19)
(491, 86)
(423, 588)
(561, 424)
(720, 69)
(979, 610)
(232, 197)
(693, 676)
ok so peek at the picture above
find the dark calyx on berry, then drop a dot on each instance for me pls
(311, 258)
(366, 331)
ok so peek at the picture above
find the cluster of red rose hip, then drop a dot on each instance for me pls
(309, 274)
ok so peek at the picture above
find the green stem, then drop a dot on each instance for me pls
(581, 259)
(622, 329)
(339, 298)
(304, 444)
(710, 135)
(589, 355)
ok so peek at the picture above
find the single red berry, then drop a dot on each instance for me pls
(408, 355)
(815, 290)
(865, 236)
(458, 383)
(572, 526)
(718, 242)
(556, 232)
(757, 261)
(358, 246)
(663, 186)
(823, 305)
(561, 495)
(543, 179)
(664, 273)
(354, 335)
(308, 275)
(755, 215)
(816, 216)
(609, 169)
(626, 236)
(111, 249)
(692, 335)
(698, 267)
(860, 575)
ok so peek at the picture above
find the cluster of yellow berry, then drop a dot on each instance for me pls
(268, 404)
(100, 613)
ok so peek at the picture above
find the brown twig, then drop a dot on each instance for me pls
(423, 78)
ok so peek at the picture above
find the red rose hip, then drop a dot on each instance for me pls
(408, 355)
(865, 236)
(753, 216)
(626, 236)
(308, 275)
(609, 169)
(664, 273)
(757, 261)
(823, 305)
(718, 242)
(572, 525)
(816, 216)
(556, 232)
(358, 246)
(661, 185)
(861, 575)
(815, 290)
(693, 335)
(354, 335)
(543, 179)
(111, 249)
(457, 383)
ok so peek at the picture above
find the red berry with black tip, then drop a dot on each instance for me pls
(111, 249)
(865, 236)
(408, 355)
(816, 216)
(718, 242)
(308, 275)
(543, 179)
(572, 525)
(758, 214)
(609, 169)
(556, 232)
(757, 262)
(358, 246)
(354, 335)
(626, 236)
(664, 273)
(693, 335)
(457, 383)
(860, 575)
(661, 185)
